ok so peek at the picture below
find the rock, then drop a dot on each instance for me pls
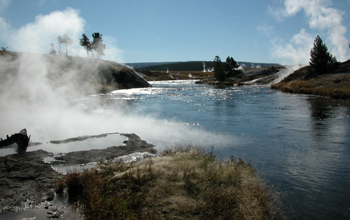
(26, 177)
(133, 144)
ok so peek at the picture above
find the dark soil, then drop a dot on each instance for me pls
(26, 181)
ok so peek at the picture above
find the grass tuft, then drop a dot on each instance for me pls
(182, 183)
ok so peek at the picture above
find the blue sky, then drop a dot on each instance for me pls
(279, 31)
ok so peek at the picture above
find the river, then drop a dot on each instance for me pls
(300, 144)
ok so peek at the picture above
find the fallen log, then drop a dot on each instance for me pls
(21, 139)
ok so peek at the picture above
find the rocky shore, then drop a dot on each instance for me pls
(27, 182)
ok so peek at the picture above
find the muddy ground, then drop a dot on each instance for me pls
(28, 183)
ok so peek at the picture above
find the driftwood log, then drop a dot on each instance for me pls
(21, 139)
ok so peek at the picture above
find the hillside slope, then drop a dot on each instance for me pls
(87, 76)
(335, 84)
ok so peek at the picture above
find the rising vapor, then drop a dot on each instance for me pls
(320, 17)
(44, 93)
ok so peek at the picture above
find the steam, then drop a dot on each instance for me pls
(320, 17)
(41, 94)
(37, 36)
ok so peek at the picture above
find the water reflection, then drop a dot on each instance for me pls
(315, 182)
(298, 142)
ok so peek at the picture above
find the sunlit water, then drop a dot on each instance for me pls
(299, 144)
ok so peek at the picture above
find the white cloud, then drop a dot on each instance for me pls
(265, 29)
(320, 16)
(297, 51)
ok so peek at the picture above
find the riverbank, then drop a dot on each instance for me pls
(28, 183)
(248, 76)
(183, 183)
(334, 85)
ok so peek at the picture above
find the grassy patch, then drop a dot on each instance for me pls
(182, 183)
(330, 85)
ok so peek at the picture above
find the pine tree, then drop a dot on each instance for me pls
(321, 60)
(219, 69)
(97, 44)
(85, 42)
(231, 67)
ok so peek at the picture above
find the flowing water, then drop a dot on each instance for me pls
(300, 144)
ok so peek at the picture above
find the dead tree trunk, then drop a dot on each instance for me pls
(21, 139)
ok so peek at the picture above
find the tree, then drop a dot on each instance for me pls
(219, 69)
(231, 67)
(97, 44)
(53, 50)
(85, 42)
(60, 42)
(321, 60)
(64, 40)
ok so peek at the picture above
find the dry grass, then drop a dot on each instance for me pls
(183, 183)
(331, 85)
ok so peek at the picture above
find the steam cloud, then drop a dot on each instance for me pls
(50, 109)
(320, 17)
(37, 36)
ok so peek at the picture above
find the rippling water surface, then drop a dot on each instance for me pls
(300, 144)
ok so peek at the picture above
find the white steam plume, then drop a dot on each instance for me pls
(36, 91)
(37, 36)
(321, 17)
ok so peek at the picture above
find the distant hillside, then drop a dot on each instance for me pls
(146, 64)
(189, 65)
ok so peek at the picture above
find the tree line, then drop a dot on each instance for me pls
(95, 46)
(321, 62)
(224, 70)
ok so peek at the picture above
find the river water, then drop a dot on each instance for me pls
(300, 144)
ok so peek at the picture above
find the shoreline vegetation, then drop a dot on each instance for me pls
(181, 183)
(335, 84)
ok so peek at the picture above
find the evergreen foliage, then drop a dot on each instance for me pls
(321, 60)
(225, 70)
(97, 44)
(85, 42)
(219, 69)
(231, 67)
